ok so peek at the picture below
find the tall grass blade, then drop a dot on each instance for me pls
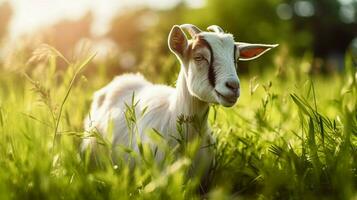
(58, 118)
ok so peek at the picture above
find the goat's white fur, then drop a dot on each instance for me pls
(165, 104)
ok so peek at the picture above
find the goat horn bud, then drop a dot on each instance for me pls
(192, 29)
(215, 29)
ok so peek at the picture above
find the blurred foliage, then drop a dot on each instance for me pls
(65, 34)
(5, 16)
(137, 38)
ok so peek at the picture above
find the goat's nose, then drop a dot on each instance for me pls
(233, 85)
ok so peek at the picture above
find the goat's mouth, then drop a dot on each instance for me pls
(227, 100)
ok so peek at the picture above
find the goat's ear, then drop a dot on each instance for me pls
(252, 51)
(177, 41)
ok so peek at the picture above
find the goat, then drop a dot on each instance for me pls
(208, 75)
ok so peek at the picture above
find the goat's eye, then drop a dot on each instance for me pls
(198, 58)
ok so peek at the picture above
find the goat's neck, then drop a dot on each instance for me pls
(188, 105)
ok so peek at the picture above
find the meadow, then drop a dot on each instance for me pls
(292, 135)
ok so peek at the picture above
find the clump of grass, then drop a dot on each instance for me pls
(46, 52)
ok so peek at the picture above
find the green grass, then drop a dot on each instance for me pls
(291, 136)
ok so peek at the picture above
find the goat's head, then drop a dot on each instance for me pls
(210, 61)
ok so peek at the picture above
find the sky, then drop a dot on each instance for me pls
(29, 15)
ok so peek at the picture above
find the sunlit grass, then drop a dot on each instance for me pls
(289, 137)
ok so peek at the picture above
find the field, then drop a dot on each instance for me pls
(292, 135)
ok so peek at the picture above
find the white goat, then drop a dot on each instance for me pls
(208, 75)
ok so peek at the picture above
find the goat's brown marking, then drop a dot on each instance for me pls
(200, 42)
(188, 54)
(235, 55)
